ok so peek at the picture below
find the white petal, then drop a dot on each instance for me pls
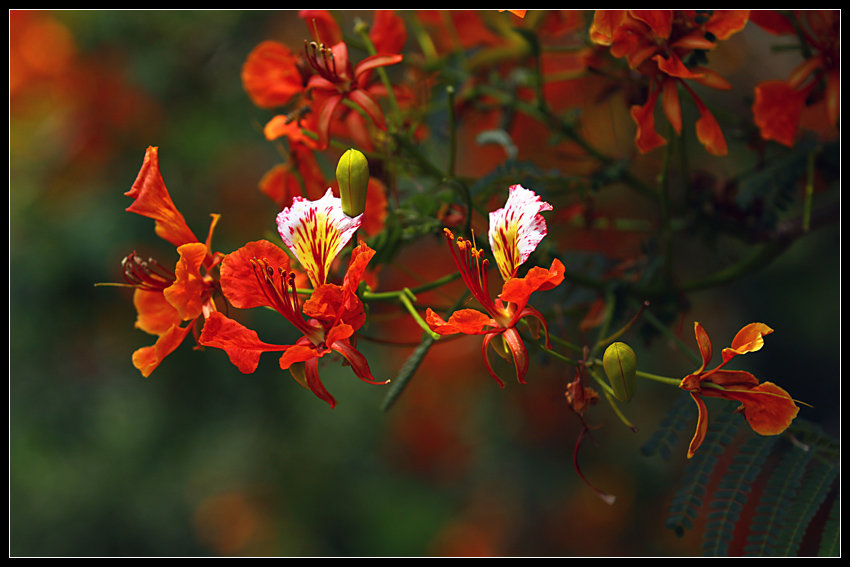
(517, 229)
(316, 231)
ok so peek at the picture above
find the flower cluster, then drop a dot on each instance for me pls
(335, 236)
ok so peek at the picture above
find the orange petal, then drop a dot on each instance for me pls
(709, 132)
(189, 292)
(146, 359)
(659, 21)
(152, 200)
(605, 23)
(671, 105)
(155, 315)
(725, 23)
(768, 408)
(748, 339)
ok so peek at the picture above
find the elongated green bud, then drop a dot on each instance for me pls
(352, 175)
(620, 364)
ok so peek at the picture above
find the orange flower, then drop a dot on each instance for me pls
(657, 42)
(515, 231)
(259, 275)
(767, 408)
(814, 84)
(164, 299)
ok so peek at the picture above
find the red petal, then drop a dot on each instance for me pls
(238, 281)
(659, 21)
(241, 344)
(152, 200)
(605, 23)
(709, 132)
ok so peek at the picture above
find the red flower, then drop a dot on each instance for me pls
(259, 275)
(768, 408)
(164, 299)
(814, 84)
(657, 42)
(515, 231)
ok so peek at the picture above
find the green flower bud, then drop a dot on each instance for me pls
(620, 364)
(352, 175)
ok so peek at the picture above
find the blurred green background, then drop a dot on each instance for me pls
(199, 459)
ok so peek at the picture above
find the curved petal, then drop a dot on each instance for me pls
(659, 21)
(375, 61)
(748, 339)
(190, 291)
(238, 280)
(516, 229)
(709, 132)
(728, 379)
(242, 345)
(314, 382)
(777, 108)
(357, 361)
(605, 23)
(702, 425)
(704, 345)
(674, 67)
(316, 232)
(152, 200)
(518, 351)
(369, 106)
(484, 344)
(323, 124)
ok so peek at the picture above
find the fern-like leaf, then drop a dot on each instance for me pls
(666, 437)
(830, 543)
(688, 499)
(732, 493)
(776, 501)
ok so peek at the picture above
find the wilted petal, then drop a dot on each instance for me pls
(316, 232)
(517, 229)
(466, 321)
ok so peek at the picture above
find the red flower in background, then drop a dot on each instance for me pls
(165, 299)
(813, 86)
(657, 43)
(259, 275)
(515, 231)
(768, 408)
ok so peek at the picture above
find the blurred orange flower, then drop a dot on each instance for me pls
(657, 43)
(814, 85)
